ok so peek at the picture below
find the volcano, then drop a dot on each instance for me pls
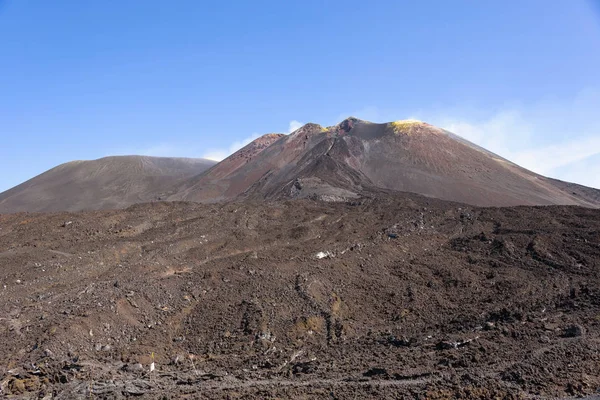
(352, 159)
(356, 157)
(371, 292)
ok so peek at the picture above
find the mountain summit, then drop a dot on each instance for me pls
(356, 157)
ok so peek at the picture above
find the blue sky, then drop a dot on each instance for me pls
(86, 79)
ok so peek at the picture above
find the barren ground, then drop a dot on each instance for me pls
(389, 297)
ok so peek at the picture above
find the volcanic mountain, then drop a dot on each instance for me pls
(352, 159)
(358, 157)
(110, 182)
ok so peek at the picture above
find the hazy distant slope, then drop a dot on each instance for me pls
(109, 182)
(585, 193)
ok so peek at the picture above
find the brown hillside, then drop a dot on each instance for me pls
(357, 157)
(110, 182)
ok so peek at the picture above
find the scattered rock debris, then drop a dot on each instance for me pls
(301, 299)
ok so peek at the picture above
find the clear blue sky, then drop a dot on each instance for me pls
(86, 79)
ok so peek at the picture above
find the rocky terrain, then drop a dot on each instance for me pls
(386, 296)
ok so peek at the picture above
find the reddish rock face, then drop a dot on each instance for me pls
(257, 145)
(346, 125)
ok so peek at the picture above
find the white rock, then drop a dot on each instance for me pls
(323, 254)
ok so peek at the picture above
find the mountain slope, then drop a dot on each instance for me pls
(357, 156)
(281, 155)
(220, 181)
(110, 182)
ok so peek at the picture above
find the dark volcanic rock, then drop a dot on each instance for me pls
(232, 298)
